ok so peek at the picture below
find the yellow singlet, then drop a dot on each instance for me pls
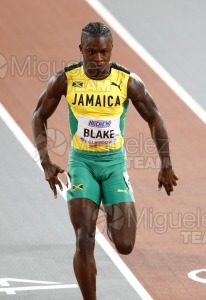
(97, 108)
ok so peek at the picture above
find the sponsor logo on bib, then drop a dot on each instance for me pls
(99, 124)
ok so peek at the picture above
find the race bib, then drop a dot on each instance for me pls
(98, 131)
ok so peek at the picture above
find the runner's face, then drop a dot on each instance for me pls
(96, 56)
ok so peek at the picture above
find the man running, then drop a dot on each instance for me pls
(98, 92)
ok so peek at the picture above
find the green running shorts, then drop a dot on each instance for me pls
(99, 177)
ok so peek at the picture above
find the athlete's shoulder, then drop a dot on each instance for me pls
(57, 84)
(120, 68)
(73, 66)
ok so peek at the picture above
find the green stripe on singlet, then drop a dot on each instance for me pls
(122, 117)
(73, 122)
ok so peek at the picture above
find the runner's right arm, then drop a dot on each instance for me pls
(46, 106)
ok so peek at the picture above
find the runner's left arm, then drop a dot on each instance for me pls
(144, 104)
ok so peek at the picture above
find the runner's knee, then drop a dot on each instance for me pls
(124, 246)
(85, 243)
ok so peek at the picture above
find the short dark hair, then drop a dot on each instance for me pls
(95, 29)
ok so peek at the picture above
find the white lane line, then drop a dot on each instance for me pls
(18, 133)
(148, 58)
(28, 146)
(134, 282)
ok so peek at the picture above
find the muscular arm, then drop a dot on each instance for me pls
(46, 106)
(146, 107)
